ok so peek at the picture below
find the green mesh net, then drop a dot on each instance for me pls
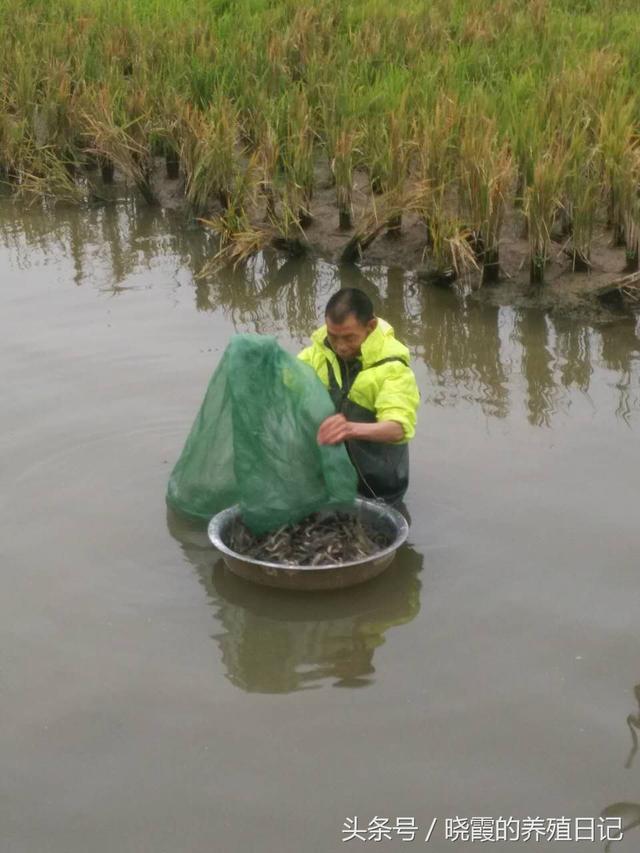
(253, 442)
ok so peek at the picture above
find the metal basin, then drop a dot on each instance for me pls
(331, 576)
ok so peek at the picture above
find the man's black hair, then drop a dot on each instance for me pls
(347, 301)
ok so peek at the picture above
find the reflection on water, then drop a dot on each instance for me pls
(620, 348)
(633, 721)
(488, 356)
(532, 331)
(462, 347)
(629, 813)
(276, 641)
(574, 351)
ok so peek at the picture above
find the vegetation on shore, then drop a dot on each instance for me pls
(453, 109)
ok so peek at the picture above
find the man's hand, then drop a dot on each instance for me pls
(334, 429)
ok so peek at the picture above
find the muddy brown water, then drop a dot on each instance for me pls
(150, 701)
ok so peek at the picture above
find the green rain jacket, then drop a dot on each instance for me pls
(379, 386)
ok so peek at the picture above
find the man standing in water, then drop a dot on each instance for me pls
(366, 369)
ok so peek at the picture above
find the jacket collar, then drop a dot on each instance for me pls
(372, 347)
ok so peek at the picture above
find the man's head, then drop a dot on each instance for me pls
(350, 320)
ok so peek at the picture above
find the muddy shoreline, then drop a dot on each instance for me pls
(564, 291)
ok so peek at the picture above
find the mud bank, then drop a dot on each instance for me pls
(564, 291)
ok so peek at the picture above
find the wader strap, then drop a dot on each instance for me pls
(385, 360)
(340, 394)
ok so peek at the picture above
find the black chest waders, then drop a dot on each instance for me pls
(383, 468)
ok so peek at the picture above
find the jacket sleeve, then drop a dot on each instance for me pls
(398, 399)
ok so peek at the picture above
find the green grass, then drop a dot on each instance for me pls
(467, 97)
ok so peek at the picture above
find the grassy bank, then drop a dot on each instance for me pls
(453, 109)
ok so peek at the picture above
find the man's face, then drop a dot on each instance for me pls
(346, 338)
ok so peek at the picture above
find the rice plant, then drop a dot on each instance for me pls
(485, 183)
(444, 101)
(115, 130)
(435, 135)
(386, 150)
(46, 176)
(619, 150)
(451, 250)
(267, 158)
(382, 212)
(629, 201)
(297, 151)
(210, 153)
(582, 199)
(543, 196)
(238, 238)
(342, 164)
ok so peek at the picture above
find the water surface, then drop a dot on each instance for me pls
(153, 702)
